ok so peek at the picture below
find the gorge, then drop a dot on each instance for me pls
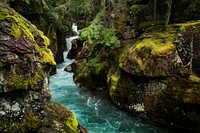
(143, 55)
(94, 110)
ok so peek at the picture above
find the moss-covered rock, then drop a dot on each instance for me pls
(58, 119)
(158, 76)
(25, 65)
(91, 67)
(53, 18)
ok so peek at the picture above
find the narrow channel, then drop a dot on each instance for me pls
(94, 110)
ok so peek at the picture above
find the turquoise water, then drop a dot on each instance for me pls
(94, 110)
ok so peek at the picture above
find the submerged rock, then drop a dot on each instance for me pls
(157, 77)
(25, 65)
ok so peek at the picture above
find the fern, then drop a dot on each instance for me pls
(96, 65)
(94, 62)
(97, 33)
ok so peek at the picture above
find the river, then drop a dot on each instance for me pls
(94, 110)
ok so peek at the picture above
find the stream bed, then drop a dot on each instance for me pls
(94, 110)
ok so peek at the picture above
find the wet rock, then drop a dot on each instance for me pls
(89, 68)
(68, 68)
(157, 77)
(25, 65)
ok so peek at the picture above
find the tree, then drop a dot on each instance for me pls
(169, 7)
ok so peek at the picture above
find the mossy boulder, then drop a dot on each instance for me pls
(51, 17)
(58, 119)
(157, 77)
(90, 67)
(23, 51)
(25, 65)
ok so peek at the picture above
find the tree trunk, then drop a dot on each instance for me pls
(169, 7)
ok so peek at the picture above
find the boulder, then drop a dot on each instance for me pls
(157, 77)
(25, 65)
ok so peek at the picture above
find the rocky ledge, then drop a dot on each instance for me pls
(25, 65)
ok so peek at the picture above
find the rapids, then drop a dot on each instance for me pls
(94, 110)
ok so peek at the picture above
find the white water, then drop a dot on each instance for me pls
(68, 42)
(94, 110)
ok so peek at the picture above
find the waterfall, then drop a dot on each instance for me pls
(68, 41)
(74, 28)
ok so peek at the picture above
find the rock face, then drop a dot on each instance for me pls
(25, 65)
(51, 17)
(157, 77)
(90, 70)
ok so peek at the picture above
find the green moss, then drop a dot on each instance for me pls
(157, 47)
(46, 40)
(72, 123)
(17, 32)
(21, 25)
(139, 62)
(47, 57)
(191, 94)
(15, 81)
(187, 94)
(189, 24)
(20, 28)
(147, 24)
(29, 124)
(120, 26)
(3, 13)
(113, 78)
(152, 48)
(86, 73)
(194, 79)
(160, 44)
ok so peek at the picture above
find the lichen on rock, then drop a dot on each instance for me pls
(25, 66)
(23, 47)
(159, 77)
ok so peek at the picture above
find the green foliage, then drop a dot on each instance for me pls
(57, 12)
(86, 7)
(95, 65)
(193, 7)
(91, 7)
(94, 62)
(97, 33)
(26, 1)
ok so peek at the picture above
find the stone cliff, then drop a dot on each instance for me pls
(25, 65)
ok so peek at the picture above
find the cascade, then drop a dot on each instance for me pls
(94, 110)
(68, 41)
